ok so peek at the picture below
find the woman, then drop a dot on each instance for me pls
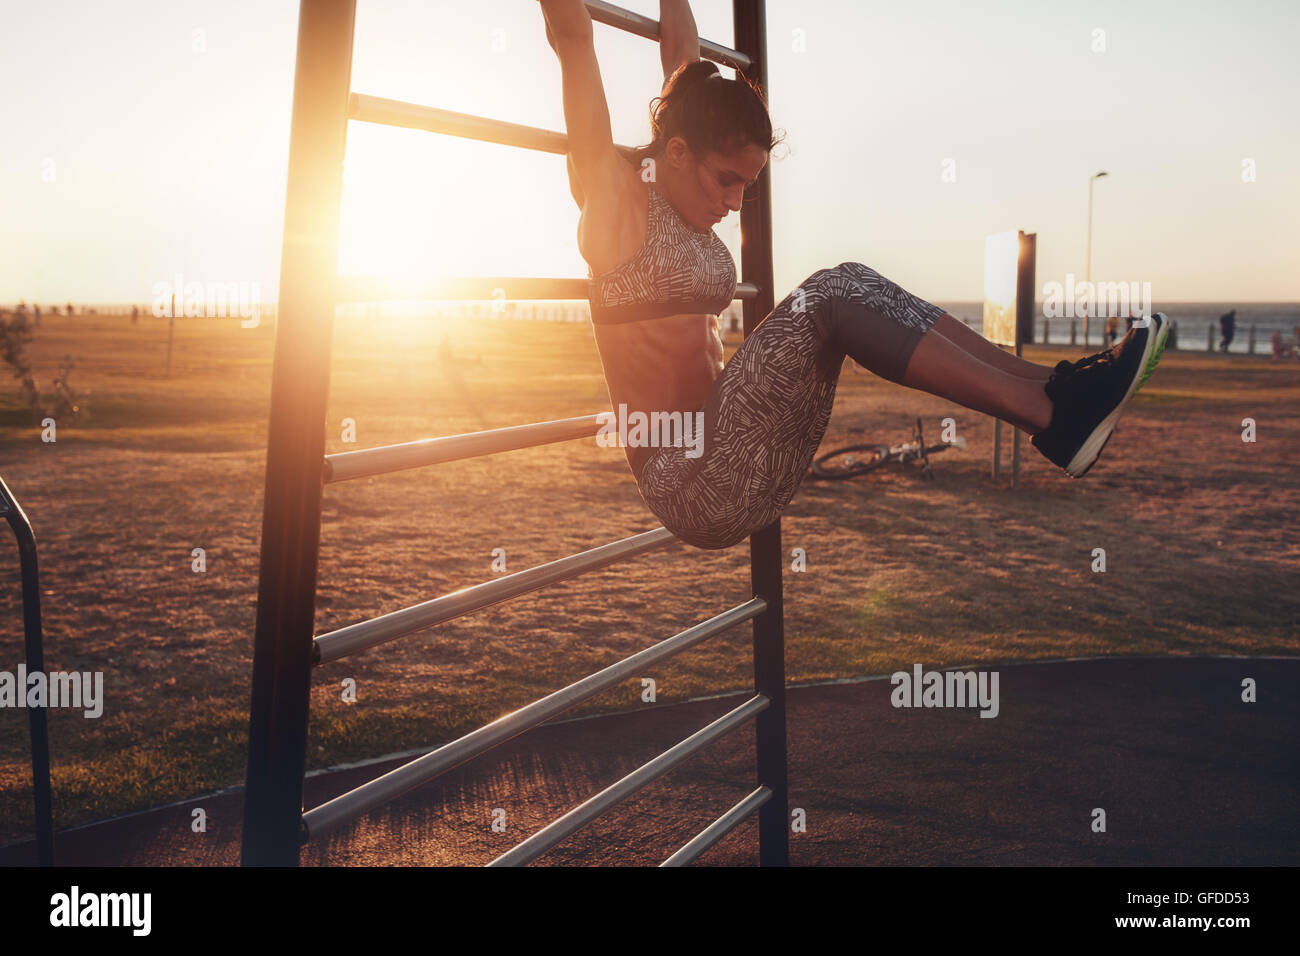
(659, 276)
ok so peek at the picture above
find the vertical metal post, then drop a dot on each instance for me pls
(12, 511)
(277, 735)
(765, 561)
(1091, 295)
(1026, 280)
(171, 331)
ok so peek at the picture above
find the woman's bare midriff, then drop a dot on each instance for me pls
(657, 365)
(660, 365)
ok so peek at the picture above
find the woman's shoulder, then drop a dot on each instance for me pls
(614, 216)
(621, 185)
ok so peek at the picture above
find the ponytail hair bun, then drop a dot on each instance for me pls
(711, 113)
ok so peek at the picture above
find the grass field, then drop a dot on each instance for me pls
(1198, 529)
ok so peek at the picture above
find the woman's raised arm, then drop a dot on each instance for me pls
(586, 113)
(679, 37)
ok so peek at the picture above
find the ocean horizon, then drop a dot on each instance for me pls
(1195, 321)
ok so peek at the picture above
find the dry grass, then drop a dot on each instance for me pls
(1198, 529)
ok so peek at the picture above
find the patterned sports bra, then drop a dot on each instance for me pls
(677, 270)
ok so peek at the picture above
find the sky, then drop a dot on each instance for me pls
(148, 139)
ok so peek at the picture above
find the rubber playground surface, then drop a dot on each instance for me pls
(1188, 774)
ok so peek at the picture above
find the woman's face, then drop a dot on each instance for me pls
(709, 188)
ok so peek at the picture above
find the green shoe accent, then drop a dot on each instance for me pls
(1161, 338)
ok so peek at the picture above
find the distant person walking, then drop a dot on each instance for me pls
(1228, 325)
(1112, 328)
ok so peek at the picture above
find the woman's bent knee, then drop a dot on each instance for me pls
(845, 270)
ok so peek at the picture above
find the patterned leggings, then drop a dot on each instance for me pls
(769, 408)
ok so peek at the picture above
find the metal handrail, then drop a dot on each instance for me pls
(719, 828)
(38, 725)
(346, 465)
(410, 775)
(588, 810)
(388, 627)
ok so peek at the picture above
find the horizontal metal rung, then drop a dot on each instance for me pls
(630, 22)
(378, 630)
(719, 828)
(346, 465)
(584, 813)
(377, 109)
(458, 288)
(410, 775)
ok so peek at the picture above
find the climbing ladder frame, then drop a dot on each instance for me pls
(297, 469)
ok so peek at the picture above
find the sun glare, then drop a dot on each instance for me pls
(419, 208)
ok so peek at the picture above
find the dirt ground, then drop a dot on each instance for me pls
(1197, 527)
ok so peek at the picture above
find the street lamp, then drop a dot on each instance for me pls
(1091, 293)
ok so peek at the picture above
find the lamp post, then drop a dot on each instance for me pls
(1091, 297)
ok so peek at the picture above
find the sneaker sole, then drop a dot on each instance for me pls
(1162, 322)
(1091, 448)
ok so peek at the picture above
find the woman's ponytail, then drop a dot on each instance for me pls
(710, 112)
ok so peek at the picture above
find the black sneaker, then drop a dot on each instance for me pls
(1088, 398)
(1160, 323)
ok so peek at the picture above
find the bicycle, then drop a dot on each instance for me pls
(853, 460)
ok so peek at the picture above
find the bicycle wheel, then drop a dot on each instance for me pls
(850, 461)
